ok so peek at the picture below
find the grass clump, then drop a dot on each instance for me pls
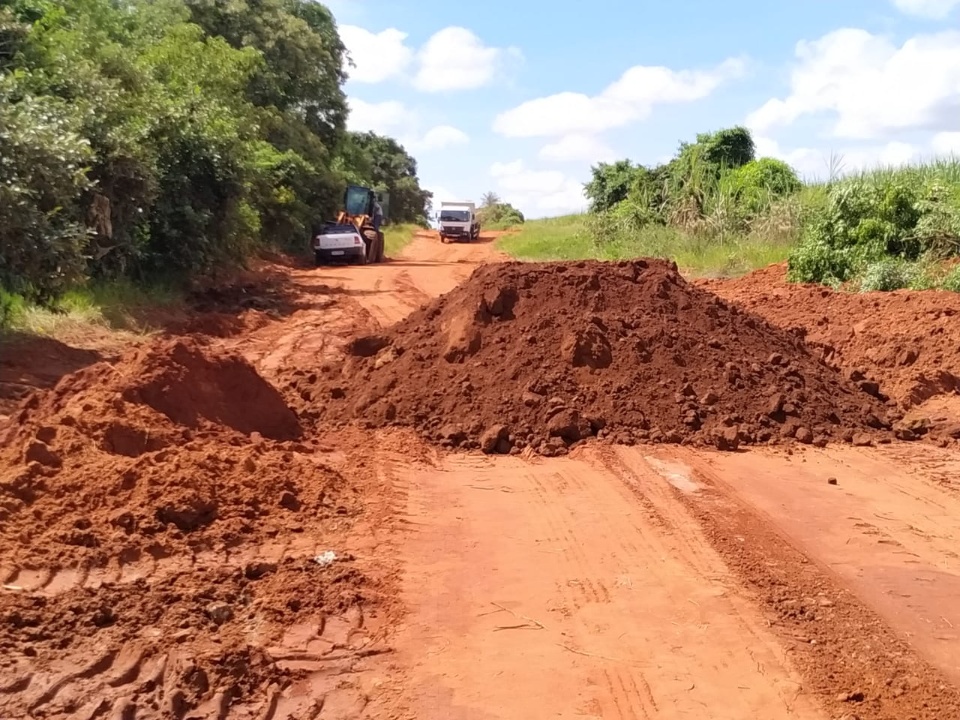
(888, 274)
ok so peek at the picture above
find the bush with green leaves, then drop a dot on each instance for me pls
(43, 175)
(758, 183)
(861, 223)
(889, 274)
(494, 214)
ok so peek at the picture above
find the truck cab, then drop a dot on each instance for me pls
(458, 222)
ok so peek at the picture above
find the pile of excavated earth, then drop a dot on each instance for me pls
(543, 356)
(908, 342)
(152, 512)
(166, 518)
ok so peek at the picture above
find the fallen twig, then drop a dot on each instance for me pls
(590, 655)
(529, 624)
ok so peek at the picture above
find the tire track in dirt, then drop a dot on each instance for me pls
(552, 573)
(830, 601)
(120, 570)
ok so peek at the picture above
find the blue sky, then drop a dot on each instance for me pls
(523, 97)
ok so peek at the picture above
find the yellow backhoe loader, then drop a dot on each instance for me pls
(355, 235)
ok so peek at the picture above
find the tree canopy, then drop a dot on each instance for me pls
(145, 137)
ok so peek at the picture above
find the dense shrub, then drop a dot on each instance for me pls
(758, 182)
(861, 223)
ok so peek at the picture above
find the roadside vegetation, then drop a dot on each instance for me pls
(397, 237)
(494, 214)
(717, 209)
(148, 143)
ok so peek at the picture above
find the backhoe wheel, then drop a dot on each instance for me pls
(381, 248)
(370, 241)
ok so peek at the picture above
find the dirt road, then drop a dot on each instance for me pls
(590, 584)
(616, 582)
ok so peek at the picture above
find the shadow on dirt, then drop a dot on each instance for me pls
(29, 362)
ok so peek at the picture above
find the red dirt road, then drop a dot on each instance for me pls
(617, 582)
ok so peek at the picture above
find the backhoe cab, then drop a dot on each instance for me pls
(352, 237)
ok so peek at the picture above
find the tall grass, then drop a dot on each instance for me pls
(116, 305)
(576, 237)
(397, 237)
(717, 228)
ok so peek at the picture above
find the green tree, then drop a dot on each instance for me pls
(42, 176)
(140, 137)
(489, 199)
(610, 184)
(393, 169)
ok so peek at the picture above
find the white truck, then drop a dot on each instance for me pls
(458, 221)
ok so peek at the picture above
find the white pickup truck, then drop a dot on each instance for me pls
(340, 242)
(458, 221)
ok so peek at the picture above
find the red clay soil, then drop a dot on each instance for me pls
(542, 356)
(163, 533)
(189, 645)
(175, 447)
(908, 341)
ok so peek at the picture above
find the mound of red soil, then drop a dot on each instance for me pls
(907, 341)
(151, 455)
(193, 386)
(546, 355)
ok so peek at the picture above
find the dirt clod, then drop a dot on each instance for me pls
(496, 440)
(219, 612)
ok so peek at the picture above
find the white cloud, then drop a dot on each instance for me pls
(452, 59)
(627, 100)
(538, 193)
(871, 87)
(398, 121)
(578, 148)
(946, 143)
(456, 59)
(385, 118)
(933, 9)
(441, 137)
(377, 56)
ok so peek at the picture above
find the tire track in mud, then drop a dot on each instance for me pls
(50, 582)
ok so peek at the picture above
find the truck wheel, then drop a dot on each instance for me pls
(317, 258)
